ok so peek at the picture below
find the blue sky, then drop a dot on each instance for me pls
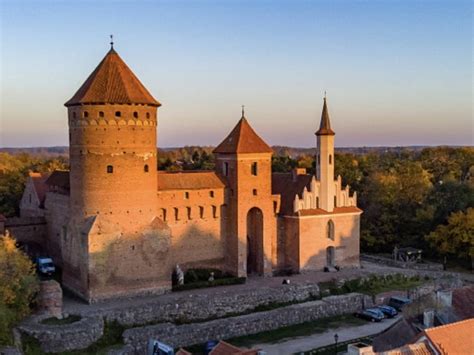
(396, 72)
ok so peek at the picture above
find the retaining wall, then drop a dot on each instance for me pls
(190, 334)
(401, 264)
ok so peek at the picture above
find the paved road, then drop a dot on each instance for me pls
(307, 343)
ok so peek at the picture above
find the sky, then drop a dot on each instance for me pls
(395, 72)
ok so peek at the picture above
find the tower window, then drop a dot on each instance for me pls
(148, 115)
(135, 114)
(254, 168)
(186, 195)
(254, 191)
(110, 169)
(163, 214)
(201, 211)
(335, 201)
(85, 114)
(226, 169)
(211, 193)
(189, 212)
(330, 159)
(176, 214)
(146, 168)
(330, 230)
(118, 113)
(101, 113)
(214, 211)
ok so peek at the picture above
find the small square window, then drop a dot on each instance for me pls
(254, 191)
(211, 193)
(186, 195)
(110, 169)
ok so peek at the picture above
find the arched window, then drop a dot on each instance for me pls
(101, 114)
(330, 230)
(85, 114)
(226, 169)
(135, 114)
(110, 169)
(330, 159)
(145, 168)
(118, 113)
(254, 168)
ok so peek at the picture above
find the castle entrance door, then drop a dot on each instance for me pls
(330, 257)
(255, 241)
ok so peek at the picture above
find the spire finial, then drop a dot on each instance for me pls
(324, 94)
(111, 41)
(243, 111)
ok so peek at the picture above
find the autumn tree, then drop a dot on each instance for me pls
(456, 238)
(18, 286)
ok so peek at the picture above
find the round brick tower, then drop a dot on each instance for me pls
(112, 146)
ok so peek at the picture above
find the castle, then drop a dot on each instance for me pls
(117, 226)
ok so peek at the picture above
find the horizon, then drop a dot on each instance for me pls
(397, 74)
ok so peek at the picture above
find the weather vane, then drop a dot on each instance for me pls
(243, 110)
(111, 41)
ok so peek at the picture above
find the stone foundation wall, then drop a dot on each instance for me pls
(59, 338)
(189, 334)
(200, 307)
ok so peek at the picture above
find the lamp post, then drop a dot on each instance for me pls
(336, 338)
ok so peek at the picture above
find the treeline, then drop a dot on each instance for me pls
(411, 197)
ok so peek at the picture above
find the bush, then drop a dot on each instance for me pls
(216, 282)
(18, 287)
(196, 275)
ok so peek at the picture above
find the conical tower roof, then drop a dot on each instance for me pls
(112, 82)
(325, 125)
(243, 139)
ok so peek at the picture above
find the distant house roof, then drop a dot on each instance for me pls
(189, 180)
(410, 349)
(243, 139)
(463, 302)
(59, 178)
(39, 183)
(454, 338)
(112, 82)
(397, 335)
(224, 348)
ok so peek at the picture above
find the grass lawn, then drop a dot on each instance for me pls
(303, 329)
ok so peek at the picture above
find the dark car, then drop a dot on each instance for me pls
(370, 314)
(388, 311)
(398, 302)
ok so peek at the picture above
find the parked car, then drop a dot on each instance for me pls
(398, 302)
(388, 311)
(45, 266)
(370, 314)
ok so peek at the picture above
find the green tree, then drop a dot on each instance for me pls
(18, 286)
(456, 238)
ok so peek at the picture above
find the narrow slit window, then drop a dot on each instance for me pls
(201, 212)
(189, 212)
(254, 168)
(176, 214)
(226, 169)
(110, 169)
(214, 211)
(146, 168)
(330, 159)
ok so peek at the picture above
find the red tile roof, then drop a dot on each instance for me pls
(410, 349)
(319, 211)
(284, 185)
(325, 125)
(189, 180)
(243, 139)
(455, 338)
(224, 348)
(59, 178)
(39, 183)
(463, 302)
(112, 82)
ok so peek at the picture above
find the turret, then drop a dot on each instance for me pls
(325, 161)
(112, 146)
(243, 160)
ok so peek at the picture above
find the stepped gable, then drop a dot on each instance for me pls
(288, 187)
(112, 82)
(189, 180)
(243, 139)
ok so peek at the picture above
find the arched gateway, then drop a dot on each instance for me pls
(255, 241)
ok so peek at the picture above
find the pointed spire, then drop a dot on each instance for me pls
(325, 125)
